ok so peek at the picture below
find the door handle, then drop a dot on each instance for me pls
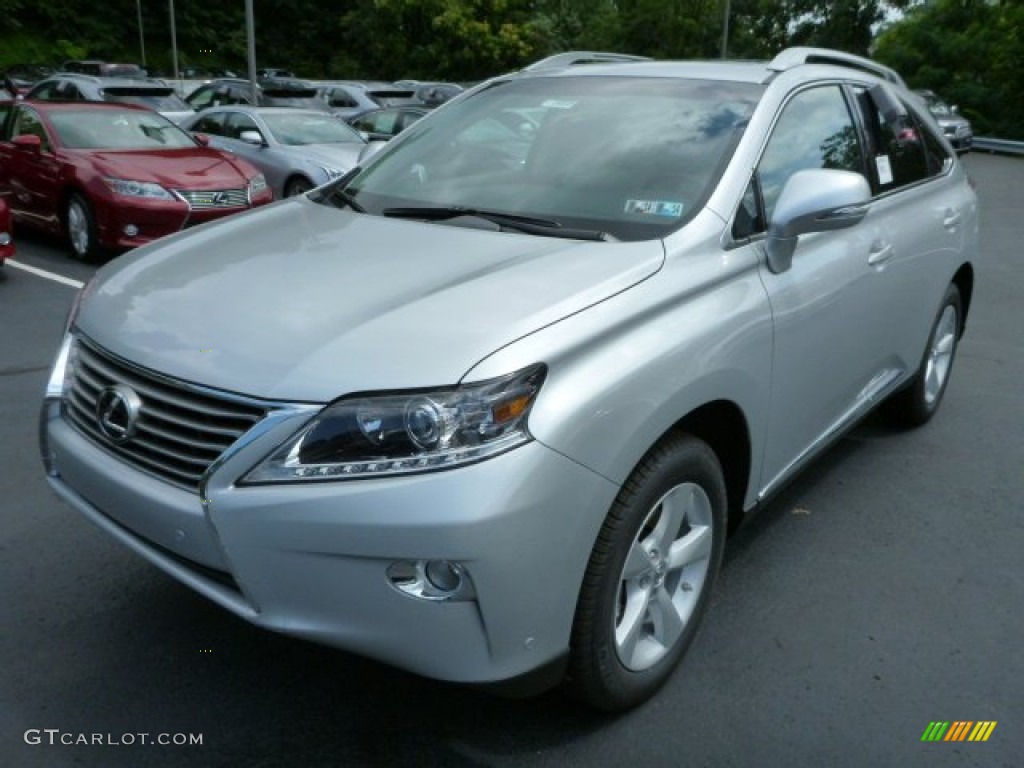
(880, 253)
(951, 219)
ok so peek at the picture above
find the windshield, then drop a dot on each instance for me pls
(939, 108)
(298, 129)
(111, 129)
(631, 157)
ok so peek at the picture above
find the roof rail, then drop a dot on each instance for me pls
(572, 58)
(792, 57)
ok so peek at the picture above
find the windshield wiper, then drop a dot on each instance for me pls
(337, 195)
(531, 225)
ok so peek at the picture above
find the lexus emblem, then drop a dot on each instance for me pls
(220, 198)
(117, 413)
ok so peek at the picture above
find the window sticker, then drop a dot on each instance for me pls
(665, 208)
(884, 169)
(558, 104)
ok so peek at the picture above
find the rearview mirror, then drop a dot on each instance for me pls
(816, 200)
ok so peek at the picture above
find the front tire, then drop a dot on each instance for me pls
(297, 186)
(650, 574)
(81, 228)
(919, 401)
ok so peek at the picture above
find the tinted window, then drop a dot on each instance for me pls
(212, 123)
(238, 122)
(815, 130)
(201, 97)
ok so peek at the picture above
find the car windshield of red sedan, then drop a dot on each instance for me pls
(294, 129)
(108, 129)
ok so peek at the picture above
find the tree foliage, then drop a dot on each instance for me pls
(969, 51)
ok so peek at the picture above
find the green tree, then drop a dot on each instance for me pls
(970, 52)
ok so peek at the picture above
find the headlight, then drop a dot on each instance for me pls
(397, 434)
(128, 188)
(257, 184)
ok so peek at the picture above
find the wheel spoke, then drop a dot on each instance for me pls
(674, 507)
(637, 562)
(629, 630)
(668, 624)
(692, 548)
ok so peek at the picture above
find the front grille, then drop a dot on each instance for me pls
(180, 431)
(200, 200)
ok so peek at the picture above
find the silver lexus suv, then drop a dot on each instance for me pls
(486, 407)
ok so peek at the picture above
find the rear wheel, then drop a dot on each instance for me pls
(919, 401)
(649, 577)
(81, 228)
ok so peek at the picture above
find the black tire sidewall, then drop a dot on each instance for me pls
(79, 200)
(916, 409)
(604, 681)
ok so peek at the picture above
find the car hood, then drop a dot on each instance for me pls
(340, 157)
(186, 168)
(304, 302)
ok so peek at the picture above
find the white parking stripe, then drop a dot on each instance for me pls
(43, 273)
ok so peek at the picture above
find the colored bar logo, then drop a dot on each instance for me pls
(959, 730)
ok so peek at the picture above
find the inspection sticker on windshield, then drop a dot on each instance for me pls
(558, 104)
(655, 208)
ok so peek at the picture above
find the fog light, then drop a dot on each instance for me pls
(443, 575)
(435, 580)
(131, 230)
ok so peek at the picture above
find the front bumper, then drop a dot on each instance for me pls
(311, 559)
(152, 219)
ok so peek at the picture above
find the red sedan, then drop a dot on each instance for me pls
(6, 232)
(115, 176)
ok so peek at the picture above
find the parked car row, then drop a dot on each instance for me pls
(296, 149)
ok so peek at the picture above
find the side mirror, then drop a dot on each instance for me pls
(28, 141)
(955, 109)
(252, 137)
(816, 200)
(202, 139)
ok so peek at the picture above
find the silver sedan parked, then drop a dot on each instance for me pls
(297, 149)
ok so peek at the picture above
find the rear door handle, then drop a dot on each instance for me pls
(951, 219)
(880, 253)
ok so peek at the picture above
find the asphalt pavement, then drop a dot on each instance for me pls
(880, 592)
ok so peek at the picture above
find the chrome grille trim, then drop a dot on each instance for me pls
(206, 199)
(182, 429)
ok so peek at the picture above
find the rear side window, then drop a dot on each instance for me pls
(814, 130)
(904, 150)
(212, 124)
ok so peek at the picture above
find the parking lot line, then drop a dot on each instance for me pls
(43, 273)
